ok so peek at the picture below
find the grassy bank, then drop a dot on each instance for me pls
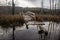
(11, 20)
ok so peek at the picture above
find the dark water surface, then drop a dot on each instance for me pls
(21, 33)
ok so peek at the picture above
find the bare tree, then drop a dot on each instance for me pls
(13, 8)
(52, 4)
(6, 2)
(58, 4)
(55, 7)
(13, 11)
(42, 5)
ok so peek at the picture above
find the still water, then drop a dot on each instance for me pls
(21, 33)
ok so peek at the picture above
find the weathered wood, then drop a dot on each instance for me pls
(35, 24)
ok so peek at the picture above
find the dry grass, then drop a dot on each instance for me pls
(53, 18)
(11, 20)
(18, 20)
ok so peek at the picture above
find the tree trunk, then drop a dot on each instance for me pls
(13, 10)
(13, 32)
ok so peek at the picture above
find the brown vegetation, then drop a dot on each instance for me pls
(11, 20)
(18, 20)
(53, 18)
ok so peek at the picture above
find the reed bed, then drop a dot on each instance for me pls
(53, 18)
(11, 20)
(7, 21)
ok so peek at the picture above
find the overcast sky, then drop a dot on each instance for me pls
(32, 3)
(28, 3)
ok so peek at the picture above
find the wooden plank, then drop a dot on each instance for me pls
(35, 24)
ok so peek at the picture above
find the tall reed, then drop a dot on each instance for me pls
(53, 18)
(11, 20)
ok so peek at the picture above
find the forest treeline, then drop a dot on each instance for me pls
(8, 10)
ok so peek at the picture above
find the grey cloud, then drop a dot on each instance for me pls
(31, 0)
(34, 2)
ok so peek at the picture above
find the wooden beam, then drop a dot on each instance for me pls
(35, 24)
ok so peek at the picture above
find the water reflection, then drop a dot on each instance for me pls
(52, 28)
